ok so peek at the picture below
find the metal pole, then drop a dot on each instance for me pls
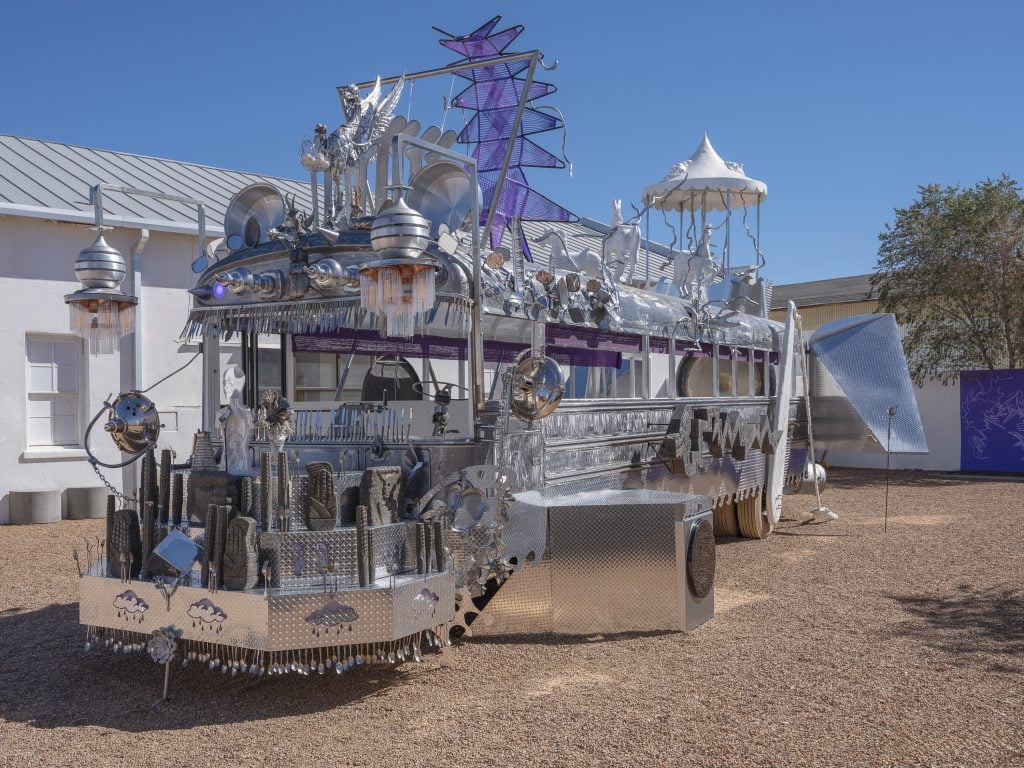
(476, 339)
(450, 69)
(211, 375)
(888, 455)
(167, 679)
(728, 228)
(315, 198)
(534, 58)
(96, 195)
(647, 275)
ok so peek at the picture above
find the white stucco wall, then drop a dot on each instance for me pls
(36, 271)
(939, 407)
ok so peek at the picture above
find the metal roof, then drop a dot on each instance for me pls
(587, 233)
(838, 290)
(51, 180)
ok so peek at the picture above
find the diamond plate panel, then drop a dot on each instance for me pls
(390, 610)
(297, 558)
(522, 605)
(615, 562)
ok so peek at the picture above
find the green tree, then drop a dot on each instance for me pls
(951, 268)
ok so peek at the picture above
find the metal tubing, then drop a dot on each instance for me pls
(428, 554)
(439, 545)
(164, 486)
(476, 338)
(420, 564)
(361, 526)
(645, 381)
(283, 500)
(716, 368)
(211, 375)
(450, 69)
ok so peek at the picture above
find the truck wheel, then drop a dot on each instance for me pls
(752, 522)
(725, 520)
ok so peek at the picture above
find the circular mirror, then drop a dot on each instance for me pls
(537, 386)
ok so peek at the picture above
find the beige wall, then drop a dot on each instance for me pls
(820, 314)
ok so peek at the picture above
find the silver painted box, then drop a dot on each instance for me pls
(615, 561)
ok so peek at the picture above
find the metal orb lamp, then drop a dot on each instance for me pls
(399, 286)
(100, 311)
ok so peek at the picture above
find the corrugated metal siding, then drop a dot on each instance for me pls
(588, 234)
(57, 176)
(837, 290)
(817, 316)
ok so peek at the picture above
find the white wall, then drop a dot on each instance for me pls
(939, 407)
(36, 271)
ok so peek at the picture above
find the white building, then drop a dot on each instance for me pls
(51, 385)
(823, 301)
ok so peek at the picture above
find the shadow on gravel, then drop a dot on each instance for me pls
(552, 638)
(971, 622)
(810, 531)
(47, 680)
(853, 479)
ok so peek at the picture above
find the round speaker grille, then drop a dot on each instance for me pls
(700, 558)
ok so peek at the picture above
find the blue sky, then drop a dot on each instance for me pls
(842, 109)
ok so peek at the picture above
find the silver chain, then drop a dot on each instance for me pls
(124, 499)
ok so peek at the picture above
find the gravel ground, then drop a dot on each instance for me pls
(832, 645)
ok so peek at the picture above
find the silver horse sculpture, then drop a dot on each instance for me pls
(693, 272)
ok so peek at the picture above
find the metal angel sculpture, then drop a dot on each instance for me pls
(366, 121)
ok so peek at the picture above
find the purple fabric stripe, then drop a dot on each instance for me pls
(369, 342)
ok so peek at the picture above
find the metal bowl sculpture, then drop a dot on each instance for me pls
(443, 193)
(537, 387)
(251, 214)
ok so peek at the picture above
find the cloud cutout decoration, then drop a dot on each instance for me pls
(129, 602)
(424, 605)
(205, 611)
(332, 614)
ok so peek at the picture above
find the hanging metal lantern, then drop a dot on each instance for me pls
(101, 312)
(399, 287)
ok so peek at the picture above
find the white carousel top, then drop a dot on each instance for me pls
(707, 182)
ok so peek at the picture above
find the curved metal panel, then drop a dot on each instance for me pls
(865, 365)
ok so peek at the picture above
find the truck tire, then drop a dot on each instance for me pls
(726, 523)
(752, 522)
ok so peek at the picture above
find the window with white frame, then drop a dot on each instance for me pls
(54, 376)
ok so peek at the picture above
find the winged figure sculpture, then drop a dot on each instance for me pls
(365, 122)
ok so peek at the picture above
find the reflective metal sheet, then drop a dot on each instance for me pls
(864, 358)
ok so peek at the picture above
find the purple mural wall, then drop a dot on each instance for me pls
(992, 421)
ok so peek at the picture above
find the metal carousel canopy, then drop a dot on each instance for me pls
(705, 182)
